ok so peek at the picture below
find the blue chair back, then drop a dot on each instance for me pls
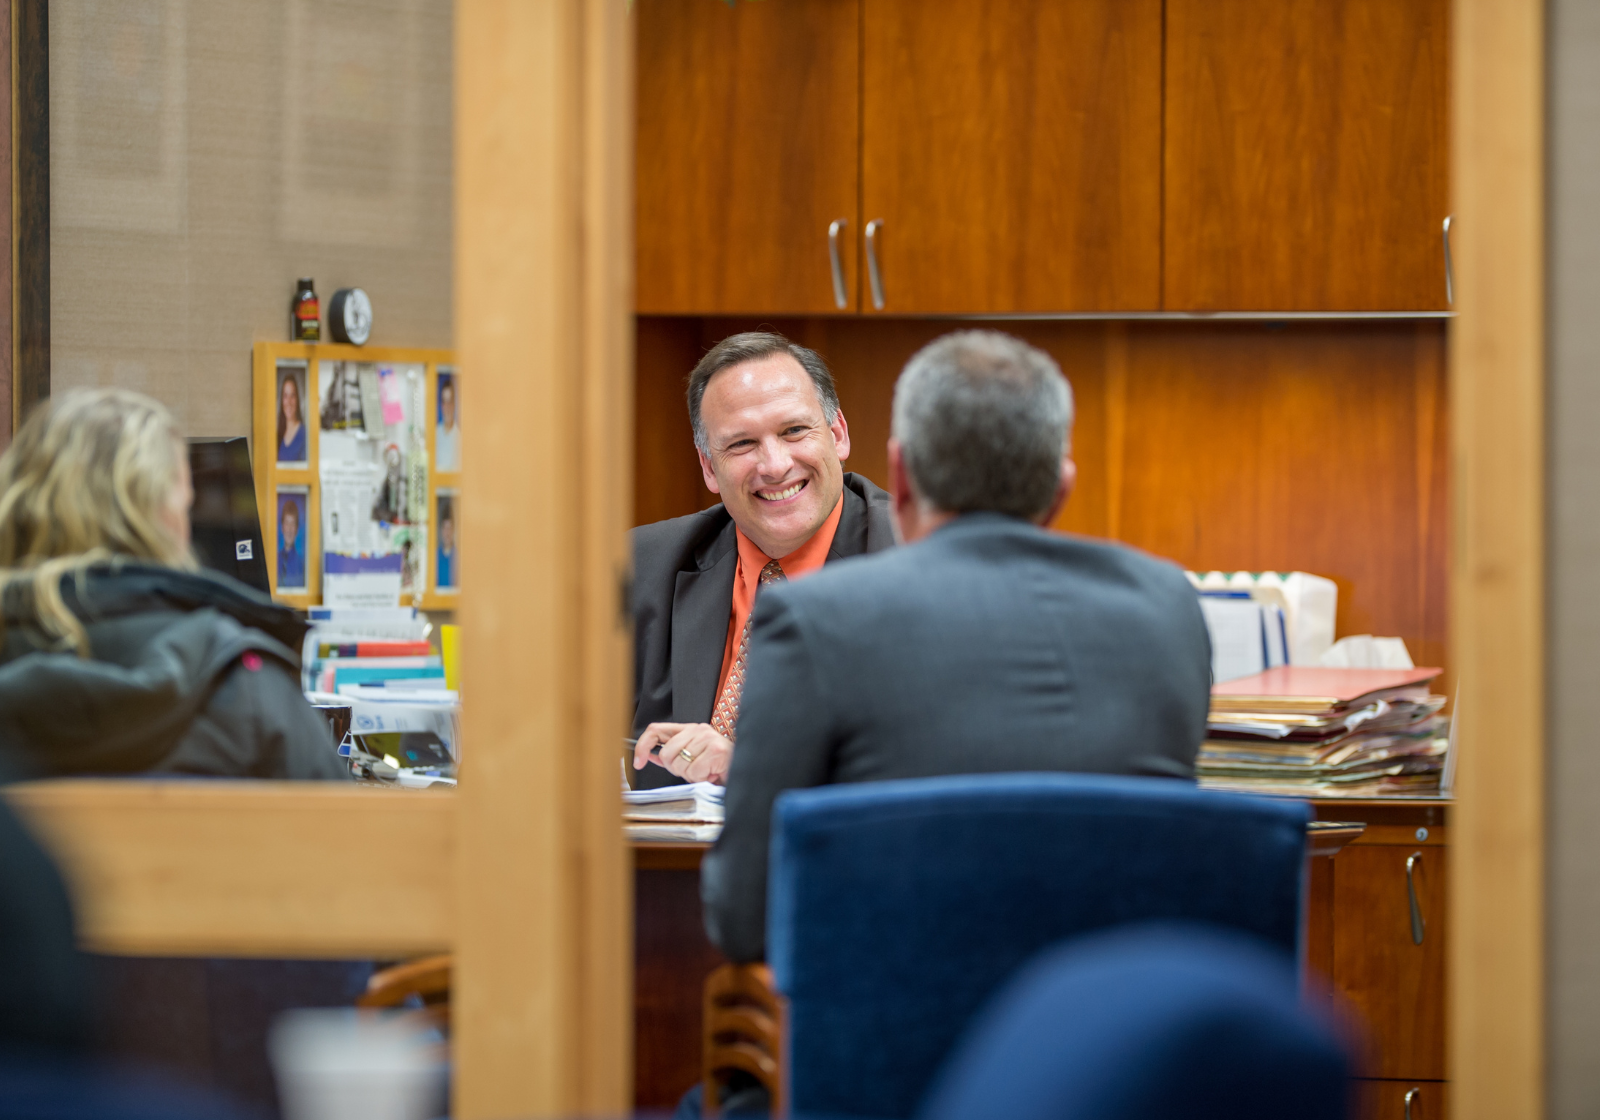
(895, 909)
(41, 1085)
(1149, 1023)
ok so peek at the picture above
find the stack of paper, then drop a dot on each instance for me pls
(1318, 732)
(1247, 635)
(1309, 604)
(687, 812)
(698, 802)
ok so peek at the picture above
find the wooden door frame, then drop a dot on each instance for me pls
(25, 302)
(1497, 400)
(525, 875)
(567, 857)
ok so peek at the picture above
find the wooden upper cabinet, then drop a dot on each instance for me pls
(1012, 153)
(748, 136)
(1306, 155)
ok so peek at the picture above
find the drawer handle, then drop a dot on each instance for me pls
(874, 276)
(1417, 924)
(1411, 1095)
(1449, 273)
(841, 294)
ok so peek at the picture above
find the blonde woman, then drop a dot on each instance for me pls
(117, 654)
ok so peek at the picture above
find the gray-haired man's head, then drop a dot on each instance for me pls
(983, 422)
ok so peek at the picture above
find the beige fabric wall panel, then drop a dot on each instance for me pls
(206, 153)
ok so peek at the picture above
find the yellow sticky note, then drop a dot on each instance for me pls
(450, 648)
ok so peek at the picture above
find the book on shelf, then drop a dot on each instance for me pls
(374, 649)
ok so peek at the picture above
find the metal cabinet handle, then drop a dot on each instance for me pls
(1411, 1095)
(1417, 925)
(841, 294)
(1449, 278)
(873, 275)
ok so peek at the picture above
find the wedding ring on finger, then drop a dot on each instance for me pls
(685, 755)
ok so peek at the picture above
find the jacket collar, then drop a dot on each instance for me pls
(119, 588)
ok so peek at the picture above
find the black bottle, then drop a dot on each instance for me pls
(305, 314)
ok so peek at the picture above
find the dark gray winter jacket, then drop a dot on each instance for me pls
(190, 673)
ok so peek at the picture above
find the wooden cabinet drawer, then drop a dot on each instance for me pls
(1395, 981)
(1402, 1100)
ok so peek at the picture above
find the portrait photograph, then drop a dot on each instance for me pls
(446, 557)
(292, 536)
(291, 423)
(447, 430)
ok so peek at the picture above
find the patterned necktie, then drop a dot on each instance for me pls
(726, 713)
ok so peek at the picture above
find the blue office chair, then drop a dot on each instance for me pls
(39, 1085)
(896, 909)
(1165, 1022)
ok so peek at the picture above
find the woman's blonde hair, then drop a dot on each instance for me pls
(84, 482)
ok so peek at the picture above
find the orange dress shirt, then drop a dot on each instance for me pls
(802, 561)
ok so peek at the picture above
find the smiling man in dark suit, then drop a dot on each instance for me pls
(771, 439)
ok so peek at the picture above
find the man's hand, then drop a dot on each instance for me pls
(696, 752)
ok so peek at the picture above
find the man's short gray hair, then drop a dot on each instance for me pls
(749, 347)
(983, 421)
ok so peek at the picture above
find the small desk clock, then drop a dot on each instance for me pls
(350, 316)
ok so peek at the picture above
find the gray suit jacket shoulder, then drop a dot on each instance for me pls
(991, 645)
(682, 599)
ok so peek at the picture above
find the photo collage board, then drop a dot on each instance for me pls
(357, 457)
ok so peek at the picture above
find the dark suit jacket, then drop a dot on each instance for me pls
(683, 597)
(990, 645)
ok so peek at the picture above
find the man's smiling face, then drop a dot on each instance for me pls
(773, 457)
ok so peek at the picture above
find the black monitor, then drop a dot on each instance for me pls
(224, 522)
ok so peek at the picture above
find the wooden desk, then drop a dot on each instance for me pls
(672, 956)
(1360, 944)
(671, 959)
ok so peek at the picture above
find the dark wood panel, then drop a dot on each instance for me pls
(748, 129)
(1396, 985)
(666, 473)
(31, 182)
(672, 959)
(1386, 1100)
(1319, 924)
(1313, 447)
(1012, 152)
(1306, 154)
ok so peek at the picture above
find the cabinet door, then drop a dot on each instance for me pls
(1306, 155)
(1402, 1100)
(1012, 154)
(748, 130)
(1397, 983)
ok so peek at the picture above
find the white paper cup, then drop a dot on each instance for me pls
(343, 1064)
